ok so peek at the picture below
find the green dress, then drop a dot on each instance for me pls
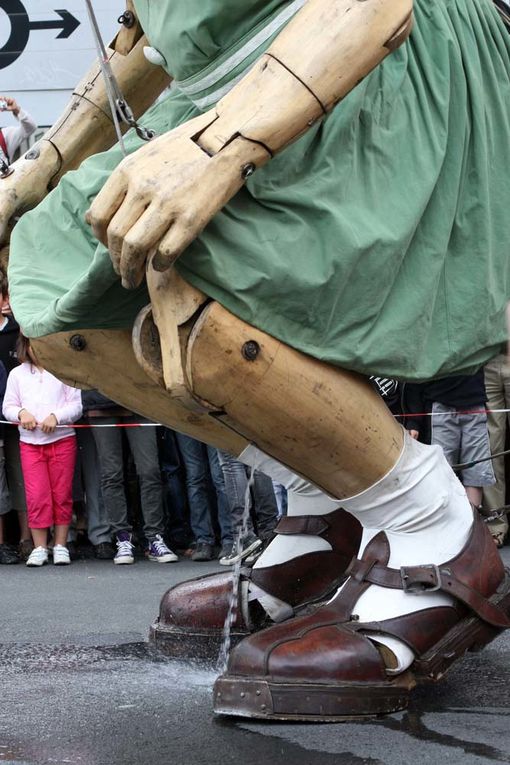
(377, 242)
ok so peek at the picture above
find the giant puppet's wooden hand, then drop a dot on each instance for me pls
(161, 198)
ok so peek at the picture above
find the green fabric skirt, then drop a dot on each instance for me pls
(377, 242)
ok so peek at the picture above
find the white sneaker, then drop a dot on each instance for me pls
(61, 555)
(38, 557)
(124, 552)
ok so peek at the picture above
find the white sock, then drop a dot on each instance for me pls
(303, 499)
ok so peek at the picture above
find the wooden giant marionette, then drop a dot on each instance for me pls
(325, 198)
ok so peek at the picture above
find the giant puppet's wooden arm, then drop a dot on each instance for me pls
(85, 127)
(161, 197)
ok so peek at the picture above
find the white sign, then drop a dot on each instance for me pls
(45, 52)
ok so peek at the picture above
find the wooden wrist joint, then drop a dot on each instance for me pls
(271, 106)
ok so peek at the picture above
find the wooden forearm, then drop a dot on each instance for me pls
(321, 55)
(87, 127)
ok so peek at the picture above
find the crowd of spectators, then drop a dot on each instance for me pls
(93, 478)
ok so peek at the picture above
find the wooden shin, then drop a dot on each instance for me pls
(323, 422)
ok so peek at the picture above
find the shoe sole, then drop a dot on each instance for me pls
(182, 643)
(123, 561)
(36, 565)
(61, 562)
(265, 698)
(164, 559)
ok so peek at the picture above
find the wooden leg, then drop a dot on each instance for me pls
(104, 359)
(323, 422)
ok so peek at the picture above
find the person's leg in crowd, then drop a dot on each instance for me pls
(61, 465)
(446, 431)
(194, 457)
(17, 489)
(144, 448)
(497, 386)
(174, 492)
(236, 489)
(7, 554)
(222, 503)
(34, 461)
(98, 528)
(475, 446)
(264, 506)
(77, 509)
(280, 493)
(109, 450)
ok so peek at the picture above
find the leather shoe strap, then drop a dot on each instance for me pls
(313, 525)
(429, 578)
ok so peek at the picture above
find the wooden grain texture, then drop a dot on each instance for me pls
(326, 424)
(109, 364)
(321, 55)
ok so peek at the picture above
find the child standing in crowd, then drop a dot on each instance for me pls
(40, 402)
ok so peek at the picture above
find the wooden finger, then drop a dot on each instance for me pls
(173, 244)
(104, 207)
(143, 237)
(130, 211)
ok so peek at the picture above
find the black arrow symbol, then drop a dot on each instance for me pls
(67, 24)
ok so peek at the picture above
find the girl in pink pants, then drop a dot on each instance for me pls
(40, 402)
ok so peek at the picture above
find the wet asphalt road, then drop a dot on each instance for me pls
(77, 685)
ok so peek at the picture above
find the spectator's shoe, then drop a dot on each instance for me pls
(329, 665)
(38, 557)
(61, 556)
(25, 548)
(124, 554)
(192, 614)
(8, 555)
(499, 531)
(202, 552)
(236, 552)
(71, 549)
(104, 551)
(159, 552)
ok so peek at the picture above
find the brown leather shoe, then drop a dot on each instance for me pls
(192, 614)
(323, 666)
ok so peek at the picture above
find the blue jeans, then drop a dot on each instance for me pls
(199, 460)
(262, 499)
(174, 492)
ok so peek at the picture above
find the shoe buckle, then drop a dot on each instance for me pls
(415, 583)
